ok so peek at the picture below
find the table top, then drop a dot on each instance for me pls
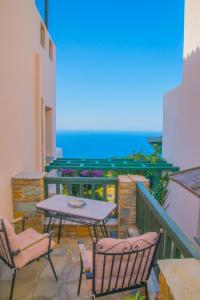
(94, 209)
(182, 277)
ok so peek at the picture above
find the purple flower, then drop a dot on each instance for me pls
(97, 173)
(67, 172)
(85, 173)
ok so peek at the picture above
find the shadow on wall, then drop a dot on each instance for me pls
(191, 69)
(181, 145)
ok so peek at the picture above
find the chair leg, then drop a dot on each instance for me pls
(12, 285)
(146, 292)
(52, 267)
(80, 279)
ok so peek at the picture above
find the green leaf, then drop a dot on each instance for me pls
(137, 296)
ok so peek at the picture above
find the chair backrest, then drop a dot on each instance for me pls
(8, 242)
(123, 264)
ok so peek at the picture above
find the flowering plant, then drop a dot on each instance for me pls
(85, 173)
(67, 172)
(97, 173)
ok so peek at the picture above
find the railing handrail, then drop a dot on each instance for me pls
(84, 186)
(77, 180)
(183, 242)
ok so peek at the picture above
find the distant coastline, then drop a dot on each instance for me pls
(103, 144)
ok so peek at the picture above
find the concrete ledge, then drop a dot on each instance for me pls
(30, 175)
(179, 279)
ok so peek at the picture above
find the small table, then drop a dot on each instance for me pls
(93, 214)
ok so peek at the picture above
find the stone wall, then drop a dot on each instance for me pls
(27, 191)
(127, 201)
(81, 231)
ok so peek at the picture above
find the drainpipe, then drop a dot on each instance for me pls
(46, 13)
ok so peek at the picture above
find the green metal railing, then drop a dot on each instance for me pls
(150, 216)
(102, 188)
(155, 172)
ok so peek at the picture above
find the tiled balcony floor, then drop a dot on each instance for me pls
(36, 281)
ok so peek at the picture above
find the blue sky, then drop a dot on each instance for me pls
(115, 60)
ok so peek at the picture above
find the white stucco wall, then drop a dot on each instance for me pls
(27, 75)
(181, 121)
(184, 208)
(192, 26)
(181, 124)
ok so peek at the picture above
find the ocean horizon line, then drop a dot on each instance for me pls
(108, 131)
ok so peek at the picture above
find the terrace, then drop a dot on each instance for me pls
(137, 209)
(137, 187)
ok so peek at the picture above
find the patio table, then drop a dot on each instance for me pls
(94, 213)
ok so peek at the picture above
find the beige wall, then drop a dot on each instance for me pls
(181, 126)
(27, 76)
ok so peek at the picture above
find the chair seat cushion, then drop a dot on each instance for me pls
(128, 244)
(26, 238)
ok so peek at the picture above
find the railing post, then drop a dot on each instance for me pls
(127, 201)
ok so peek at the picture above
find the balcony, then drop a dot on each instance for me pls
(143, 214)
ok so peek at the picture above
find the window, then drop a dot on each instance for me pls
(42, 35)
(50, 50)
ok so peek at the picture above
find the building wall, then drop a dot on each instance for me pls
(181, 143)
(192, 26)
(184, 208)
(27, 77)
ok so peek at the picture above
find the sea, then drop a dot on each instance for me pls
(103, 144)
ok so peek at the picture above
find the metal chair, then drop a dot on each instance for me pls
(119, 265)
(19, 250)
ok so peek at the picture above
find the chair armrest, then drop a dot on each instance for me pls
(17, 220)
(44, 236)
(20, 219)
(84, 257)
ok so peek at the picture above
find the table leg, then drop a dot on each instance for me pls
(102, 230)
(49, 224)
(90, 232)
(60, 230)
(95, 232)
(105, 229)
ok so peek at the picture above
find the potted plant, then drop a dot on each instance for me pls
(137, 296)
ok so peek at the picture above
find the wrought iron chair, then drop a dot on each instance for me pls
(117, 265)
(19, 250)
